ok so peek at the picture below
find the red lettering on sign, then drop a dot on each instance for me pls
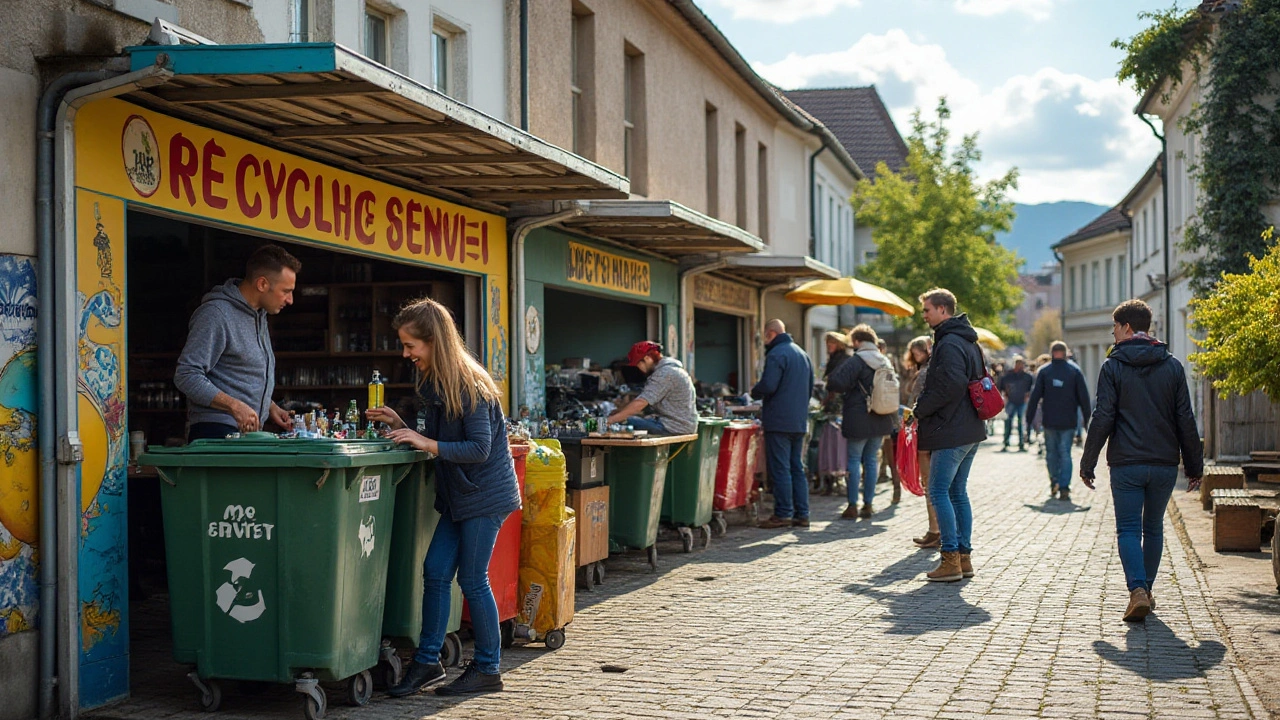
(364, 217)
(302, 220)
(183, 164)
(210, 177)
(453, 239)
(341, 210)
(395, 225)
(321, 224)
(275, 185)
(434, 230)
(249, 209)
(415, 208)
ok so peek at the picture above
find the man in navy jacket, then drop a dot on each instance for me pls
(1061, 386)
(784, 389)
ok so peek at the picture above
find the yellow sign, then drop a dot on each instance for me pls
(589, 266)
(151, 159)
(723, 295)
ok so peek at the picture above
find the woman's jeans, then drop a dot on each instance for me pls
(949, 493)
(864, 454)
(462, 549)
(1140, 494)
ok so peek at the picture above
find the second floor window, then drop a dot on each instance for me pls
(375, 35)
(440, 62)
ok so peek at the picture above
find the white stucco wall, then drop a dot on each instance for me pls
(18, 148)
(1087, 323)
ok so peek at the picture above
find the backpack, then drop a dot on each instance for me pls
(884, 398)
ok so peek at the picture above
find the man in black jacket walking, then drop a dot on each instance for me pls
(1061, 386)
(1143, 413)
(950, 428)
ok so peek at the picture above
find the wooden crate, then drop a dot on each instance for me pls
(592, 508)
(1237, 525)
(1218, 477)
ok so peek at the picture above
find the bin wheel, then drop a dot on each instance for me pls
(721, 525)
(211, 697)
(706, 536)
(314, 708)
(451, 651)
(599, 567)
(360, 689)
(686, 539)
(508, 633)
(652, 553)
(554, 640)
(587, 575)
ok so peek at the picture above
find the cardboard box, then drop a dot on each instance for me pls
(591, 507)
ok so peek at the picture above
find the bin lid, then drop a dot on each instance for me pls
(259, 449)
(717, 421)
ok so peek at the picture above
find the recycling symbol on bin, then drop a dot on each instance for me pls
(240, 598)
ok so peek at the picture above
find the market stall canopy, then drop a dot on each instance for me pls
(327, 103)
(988, 338)
(850, 291)
(776, 269)
(660, 227)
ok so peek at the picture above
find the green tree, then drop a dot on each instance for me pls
(1047, 329)
(1241, 322)
(935, 226)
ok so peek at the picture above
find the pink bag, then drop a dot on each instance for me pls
(908, 459)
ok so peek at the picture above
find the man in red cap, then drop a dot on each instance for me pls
(669, 391)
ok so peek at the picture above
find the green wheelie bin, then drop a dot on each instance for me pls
(277, 558)
(691, 484)
(415, 523)
(636, 474)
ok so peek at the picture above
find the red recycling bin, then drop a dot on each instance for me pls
(735, 471)
(504, 566)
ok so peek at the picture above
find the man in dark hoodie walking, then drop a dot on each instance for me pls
(227, 367)
(1143, 413)
(784, 390)
(949, 428)
(1061, 387)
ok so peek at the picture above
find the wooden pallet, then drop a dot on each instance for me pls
(1219, 477)
(1265, 455)
(1266, 471)
(1237, 525)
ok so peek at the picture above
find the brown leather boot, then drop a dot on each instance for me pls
(850, 513)
(897, 490)
(1139, 606)
(866, 512)
(930, 539)
(966, 565)
(948, 570)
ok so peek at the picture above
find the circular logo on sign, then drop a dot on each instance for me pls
(140, 152)
(532, 330)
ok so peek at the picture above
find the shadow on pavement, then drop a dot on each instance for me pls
(1057, 507)
(946, 608)
(1154, 652)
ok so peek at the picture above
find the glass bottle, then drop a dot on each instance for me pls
(376, 389)
(353, 419)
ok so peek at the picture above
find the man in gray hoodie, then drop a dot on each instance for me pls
(227, 368)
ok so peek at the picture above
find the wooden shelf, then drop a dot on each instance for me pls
(320, 354)
(299, 388)
(157, 411)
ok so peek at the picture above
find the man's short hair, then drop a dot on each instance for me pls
(1057, 346)
(940, 298)
(269, 261)
(1019, 359)
(775, 325)
(864, 333)
(1134, 313)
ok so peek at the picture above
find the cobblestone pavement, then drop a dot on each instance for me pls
(835, 622)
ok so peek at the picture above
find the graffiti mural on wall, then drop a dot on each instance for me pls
(19, 473)
(103, 430)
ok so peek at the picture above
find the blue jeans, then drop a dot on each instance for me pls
(785, 455)
(1015, 412)
(1140, 494)
(653, 425)
(1057, 456)
(864, 456)
(949, 493)
(462, 549)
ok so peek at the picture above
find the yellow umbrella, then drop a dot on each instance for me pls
(850, 291)
(988, 338)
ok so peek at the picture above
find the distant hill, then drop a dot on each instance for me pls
(1039, 226)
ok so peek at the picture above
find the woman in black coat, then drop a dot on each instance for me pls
(863, 430)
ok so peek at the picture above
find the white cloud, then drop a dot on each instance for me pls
(1037, 9)
(1071, 137)
(785, 11)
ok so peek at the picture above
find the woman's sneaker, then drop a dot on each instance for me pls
(471, 682)
(420, 675)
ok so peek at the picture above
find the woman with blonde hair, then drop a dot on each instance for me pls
(460, 421)
(915, 363)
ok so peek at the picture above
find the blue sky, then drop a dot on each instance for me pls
(1035, 78)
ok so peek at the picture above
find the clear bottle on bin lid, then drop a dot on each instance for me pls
(376, 390)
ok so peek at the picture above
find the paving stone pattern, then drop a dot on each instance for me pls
(836, 622)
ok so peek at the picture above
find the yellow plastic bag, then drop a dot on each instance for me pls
(544, 484)
(547, 575)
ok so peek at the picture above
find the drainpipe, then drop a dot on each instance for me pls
(684, 309)
(519, 231)
(524, 65)
(813, 201)
(1164, 192)
(57, 427)
(1062, 289)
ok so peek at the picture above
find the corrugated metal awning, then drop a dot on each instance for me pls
(327, 103)
(776, 269)
(660, 227)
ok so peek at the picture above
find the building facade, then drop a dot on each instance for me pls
(1094, 258)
